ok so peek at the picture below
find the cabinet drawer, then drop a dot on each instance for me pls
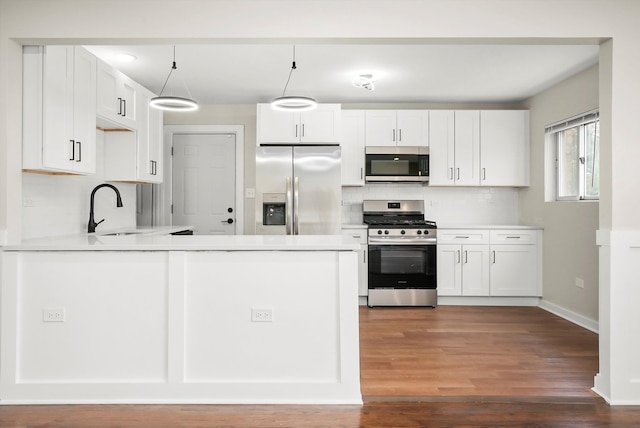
(514, 237)
(359, 234)
(463, 236)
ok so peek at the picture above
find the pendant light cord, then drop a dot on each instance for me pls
(173, 67)
(293, 67)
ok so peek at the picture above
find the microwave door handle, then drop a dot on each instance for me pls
(296, 206)
(288, 208)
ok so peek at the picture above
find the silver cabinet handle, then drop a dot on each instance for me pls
(79, 151)
(394, 134)
(513, 237)
(494, 256)
(461, 237)
(296, 131)
(73, 150)
(399, 135)
(303, 129)
(484, 173)
(466, 256)
(450, 173)
(361, 173)
(458, 172)
(458, 254)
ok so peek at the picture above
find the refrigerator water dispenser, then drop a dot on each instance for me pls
(274, 209)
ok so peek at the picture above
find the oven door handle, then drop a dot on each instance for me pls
(402, 241)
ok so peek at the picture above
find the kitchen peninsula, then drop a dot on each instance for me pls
(148, 318)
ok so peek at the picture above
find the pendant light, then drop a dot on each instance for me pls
(293, 103)
(172, 103)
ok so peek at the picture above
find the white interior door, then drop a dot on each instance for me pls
(203, 180)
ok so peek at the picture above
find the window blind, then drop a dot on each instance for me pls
(572, 122)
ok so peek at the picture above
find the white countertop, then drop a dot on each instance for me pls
(161, 241)
(489, 226)
(354, 226)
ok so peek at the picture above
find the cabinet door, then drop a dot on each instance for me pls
(475, 270)
(155, 146)
(321, 125)
(352, 148)
(467, 148)
(116, 97)
(412, 128)
(58, 144)
(441, 148)
(84, 111)
(276, 126)
(380, 128)
(504, 138)
(513, 270)
(449, 265)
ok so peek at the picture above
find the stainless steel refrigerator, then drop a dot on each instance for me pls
(298, 190)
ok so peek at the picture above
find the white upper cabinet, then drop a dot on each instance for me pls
(504, 135)
(321, 125)
(352, 148)
(59, 101)
(454, 148)
(397, 128)
(136, 156)
(479, 148)
(117, 97)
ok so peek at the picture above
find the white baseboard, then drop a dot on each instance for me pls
(569, 315)
(487, 301)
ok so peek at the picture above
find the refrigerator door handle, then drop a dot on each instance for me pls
(296, 204)
(288, 209)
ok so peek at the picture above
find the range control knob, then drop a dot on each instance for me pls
(386, 232)
(402, 232)
(379, 232)
(419, 232)
(426, 232)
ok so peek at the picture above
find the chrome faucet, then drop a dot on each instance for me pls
(92, 222)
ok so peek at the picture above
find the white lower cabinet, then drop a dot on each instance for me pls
(514, 263)
(463, 263)
(363, 262)
(499, 262)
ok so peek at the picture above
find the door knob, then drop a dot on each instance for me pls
(229, 220)
(229, 210)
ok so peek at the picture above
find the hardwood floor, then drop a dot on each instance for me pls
(448, 367)
(475, 351)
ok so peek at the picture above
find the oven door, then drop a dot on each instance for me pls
(402, 266)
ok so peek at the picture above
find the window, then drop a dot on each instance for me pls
(576, 145)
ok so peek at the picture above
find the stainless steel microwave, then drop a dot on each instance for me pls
(397, 164)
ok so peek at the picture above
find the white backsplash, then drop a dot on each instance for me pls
(57, 205)
(444, 205)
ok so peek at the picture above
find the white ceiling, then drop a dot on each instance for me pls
(405, 73)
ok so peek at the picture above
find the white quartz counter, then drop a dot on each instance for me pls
(162, 242)
(489, 226)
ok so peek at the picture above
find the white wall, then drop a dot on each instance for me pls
(59, 204)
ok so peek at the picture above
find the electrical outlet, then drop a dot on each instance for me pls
(53, 315)
(250, 192)
(579, 282)
(261, 315)
(28, 202)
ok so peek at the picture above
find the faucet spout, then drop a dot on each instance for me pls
(92, 223)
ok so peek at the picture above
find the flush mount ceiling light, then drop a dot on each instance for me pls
(293, 103)
(364, 81)
(125, 57)
(173, 103)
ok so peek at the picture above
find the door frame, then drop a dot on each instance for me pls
(163, 202)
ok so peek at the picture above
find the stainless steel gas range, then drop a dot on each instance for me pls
(402, 254)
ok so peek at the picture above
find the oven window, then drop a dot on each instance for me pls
(402, 259)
